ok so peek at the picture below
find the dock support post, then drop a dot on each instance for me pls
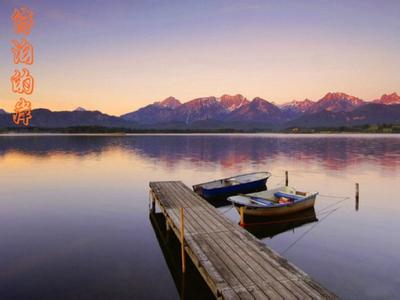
(241, 210)
(357, 196)
(182, 232)
(167, 230)
(286, 178)
(153, 202)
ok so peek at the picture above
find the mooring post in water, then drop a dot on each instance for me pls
(241, 211)
(357, 196)
(182, 231)
(287, 178)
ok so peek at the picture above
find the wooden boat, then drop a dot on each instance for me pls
(276, 202)
(222, 188)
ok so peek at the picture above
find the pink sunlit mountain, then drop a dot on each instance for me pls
(200, 109)
(296, 108)
(170, 102)
(298, 105)
(336, 102)
(258, 110)
(158, 112)
(390, 99)
(203, 108)
(233, 102)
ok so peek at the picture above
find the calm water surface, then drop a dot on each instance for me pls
(74, 217)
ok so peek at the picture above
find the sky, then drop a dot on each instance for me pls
(117, 56)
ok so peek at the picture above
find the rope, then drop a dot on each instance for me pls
(280, 183)
(329, 196)
(327, 212)
(281, 176)
(308, 231)
(301, 173)
(225, 211)
(333, 204)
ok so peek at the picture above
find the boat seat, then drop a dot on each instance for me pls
(289, 196)
(229, 182)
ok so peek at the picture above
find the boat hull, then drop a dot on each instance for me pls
(277, 211)
(224, 192)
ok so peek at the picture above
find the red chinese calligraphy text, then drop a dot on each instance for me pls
(23, 52)
(22, 82)
(22, 112)
(22, 20)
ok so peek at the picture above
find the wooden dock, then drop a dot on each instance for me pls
(233, 263)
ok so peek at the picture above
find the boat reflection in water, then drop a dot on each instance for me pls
(190, 285)
(268, 227)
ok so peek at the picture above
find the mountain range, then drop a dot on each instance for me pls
(237, 112)
(334, 109)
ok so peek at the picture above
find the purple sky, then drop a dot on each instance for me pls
(116, 56)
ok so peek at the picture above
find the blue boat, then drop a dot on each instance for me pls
(241, 184)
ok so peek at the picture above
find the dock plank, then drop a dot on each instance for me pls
(233, 263)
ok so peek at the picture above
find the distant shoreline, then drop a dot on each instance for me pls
(99, 130)
(11, 134)
(365, 129)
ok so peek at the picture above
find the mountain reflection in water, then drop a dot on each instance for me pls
(334, 152)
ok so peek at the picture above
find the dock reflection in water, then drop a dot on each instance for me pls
(189, 285)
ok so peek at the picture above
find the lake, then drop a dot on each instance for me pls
(74, 211)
